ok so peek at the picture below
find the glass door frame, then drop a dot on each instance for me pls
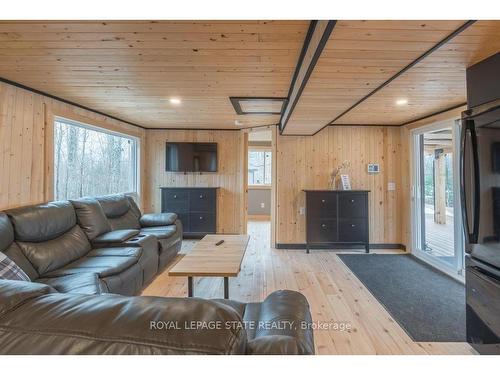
(417, 200)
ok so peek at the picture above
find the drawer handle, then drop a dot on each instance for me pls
(323, 201)
(353, 225)
(352, 200)
(201, 217)
(201, 196)
(323, 225)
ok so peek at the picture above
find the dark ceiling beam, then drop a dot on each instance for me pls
(402, 71)
(316, 39)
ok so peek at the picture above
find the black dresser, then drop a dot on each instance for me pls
(337, 218)
(195, 207)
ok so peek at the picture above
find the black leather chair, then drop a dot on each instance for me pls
(67, 307)
(35, 319)
(53, 249)
(123, 213)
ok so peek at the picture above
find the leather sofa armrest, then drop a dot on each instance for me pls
(115, 236)
(64, 323)
(157, 220)
(283, 324)
(16, 292)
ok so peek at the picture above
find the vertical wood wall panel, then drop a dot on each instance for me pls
(306, 162)
(229, 177)
(26, 144)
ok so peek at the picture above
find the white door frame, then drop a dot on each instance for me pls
(416, 209)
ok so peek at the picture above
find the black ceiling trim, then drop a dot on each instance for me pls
(317, 53)
(39, 92)
(189, 129)
(305, 46)
(235, 101)
(406, 68)
(433, 114)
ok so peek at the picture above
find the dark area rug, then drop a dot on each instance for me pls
(428, 304)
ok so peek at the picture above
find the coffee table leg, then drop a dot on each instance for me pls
(190, 286)
(226, 287)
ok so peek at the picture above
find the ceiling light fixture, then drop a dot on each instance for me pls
(175, 101)
(402, 101)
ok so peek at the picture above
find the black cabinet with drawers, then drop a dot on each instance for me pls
(195, 207)
(337, 217)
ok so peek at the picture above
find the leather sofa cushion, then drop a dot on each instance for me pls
(13, 293)
(15, 253)
(134, 207)
(6, 232)
(42, 222)
(115, 205)
(282, 305)
(112, 324)
(156, 220)
(127, 221)
(116, 236)
(83, 283)
(10, 248)
(53, 254)
(103, 265)
(116, 251)
(91, 217)
(160, 232)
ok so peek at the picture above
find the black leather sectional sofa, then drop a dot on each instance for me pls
(87, 258)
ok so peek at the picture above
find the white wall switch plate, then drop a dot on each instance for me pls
(373, 168)
(262, 205)
(302, 210)
(391, 186)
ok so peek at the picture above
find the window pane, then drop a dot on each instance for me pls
(91, 162)
(259, 167)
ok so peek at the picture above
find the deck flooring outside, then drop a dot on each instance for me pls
(439, 237)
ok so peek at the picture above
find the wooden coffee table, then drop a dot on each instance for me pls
(207, 259)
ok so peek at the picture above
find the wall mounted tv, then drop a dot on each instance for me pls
(191, 157)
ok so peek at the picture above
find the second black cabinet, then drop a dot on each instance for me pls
(195, 207)
(337, 217)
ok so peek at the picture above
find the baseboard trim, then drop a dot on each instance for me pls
(374, 246)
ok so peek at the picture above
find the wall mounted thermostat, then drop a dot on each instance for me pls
(373, 168)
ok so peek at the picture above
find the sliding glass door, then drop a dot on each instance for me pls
(437, 234)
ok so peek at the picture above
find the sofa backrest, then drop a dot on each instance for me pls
(65, 323)
(120, 212)
(90, 216)
(11, 249)
(48, 235)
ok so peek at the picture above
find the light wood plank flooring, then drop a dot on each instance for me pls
(334, 294)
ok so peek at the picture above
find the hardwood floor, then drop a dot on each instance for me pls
(334, 293)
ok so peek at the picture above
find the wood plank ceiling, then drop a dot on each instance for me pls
(131, 69)
(361, 55)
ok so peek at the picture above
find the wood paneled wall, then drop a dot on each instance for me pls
(305, 162)
(230, 177)
(26, 143)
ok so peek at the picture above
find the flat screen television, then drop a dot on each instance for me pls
(191, 157)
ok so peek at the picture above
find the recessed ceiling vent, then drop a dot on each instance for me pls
(258, 106)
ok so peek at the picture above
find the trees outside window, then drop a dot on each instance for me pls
(90, 161)
(259, 167)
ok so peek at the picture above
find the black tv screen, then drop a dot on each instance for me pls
(191, 157)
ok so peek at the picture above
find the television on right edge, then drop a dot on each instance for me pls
(191, 157)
